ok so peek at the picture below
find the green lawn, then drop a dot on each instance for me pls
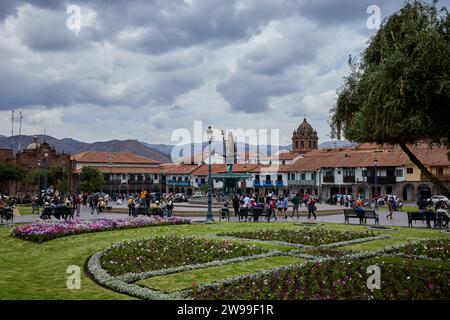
(38, 271)
(186, 279)
(24, 209)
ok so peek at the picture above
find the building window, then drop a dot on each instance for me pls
(279, 177)
(196, 180)
(329, 173)
(302, 144)
(155, 176)
(339, 171)
(364, 173)
(409, 170)
(186, 178)
(440, 171)
(268, 177)
(257, 177)
(292, 176)
(303, 176)
(349, 173)
(399, 173)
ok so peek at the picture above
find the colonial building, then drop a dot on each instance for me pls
(123, 171)
(36, 156)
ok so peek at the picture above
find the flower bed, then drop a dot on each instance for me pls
(48, 230)
(169, 252)
(304, 236)
(332, 279)
(434, 249)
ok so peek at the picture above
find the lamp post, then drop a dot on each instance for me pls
(110, 164)
(209, 216)
(46, 169)
(39, 180)
(375, 162)
(62, 182)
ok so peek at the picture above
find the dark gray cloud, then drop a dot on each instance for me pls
(185, 59)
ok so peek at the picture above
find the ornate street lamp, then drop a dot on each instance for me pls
(375, 162)
(39, 179)
(110, 164)
(46, 169)
(209, 216)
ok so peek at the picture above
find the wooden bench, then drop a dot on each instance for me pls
(6, 215)
(243, 212)
(427, 216)
(255, 213)
(224, 213)
(361, 215)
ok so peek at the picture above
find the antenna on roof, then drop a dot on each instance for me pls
(12, 129)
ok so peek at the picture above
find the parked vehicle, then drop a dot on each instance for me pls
(435, 199)
(197, 195)
(179, 197)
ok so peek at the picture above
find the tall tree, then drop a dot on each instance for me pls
(91, 180)
(398, 91)
(10, 172)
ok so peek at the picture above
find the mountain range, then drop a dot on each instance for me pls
(73, 146)
(160, 152)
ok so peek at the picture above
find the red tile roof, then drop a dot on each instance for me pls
(117, 157)
(124, 170)
(202, 170)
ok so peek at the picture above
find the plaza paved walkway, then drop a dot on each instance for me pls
(399, 219)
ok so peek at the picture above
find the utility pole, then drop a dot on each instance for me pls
(12, 130)
(20, 131)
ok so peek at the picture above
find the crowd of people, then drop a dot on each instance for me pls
(277, 205)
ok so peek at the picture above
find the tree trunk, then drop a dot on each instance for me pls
(424, 170)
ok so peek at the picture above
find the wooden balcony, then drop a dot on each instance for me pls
(328, 179)
(441, 177)
(349, 179)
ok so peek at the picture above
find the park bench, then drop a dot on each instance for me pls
(224, 213)
(427, 216)
(361, 215)
(60, 211)
(243, 213)
(255, 213)
(6, 215)
(141, 210)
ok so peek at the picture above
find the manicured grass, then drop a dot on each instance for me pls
(38, 271)
(24, 209)
(404, 208)
(187, 279)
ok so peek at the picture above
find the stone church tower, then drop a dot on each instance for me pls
(304, 139)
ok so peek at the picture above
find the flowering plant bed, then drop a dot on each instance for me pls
(333, 279)
(171, 251)
(434, 249)
(304, 236)
(48, 230)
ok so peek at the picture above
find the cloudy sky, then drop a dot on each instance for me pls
(141, 69)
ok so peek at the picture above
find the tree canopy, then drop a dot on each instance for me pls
(91, 180)
(398, 90)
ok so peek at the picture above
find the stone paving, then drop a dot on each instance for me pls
(399, 218)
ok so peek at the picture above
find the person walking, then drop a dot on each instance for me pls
(131, 205)
(280, 205)
(236, 203)
(312, 208)
(273, 206)
(285, 207)
(296, 203)
(169, 206)
(390, 204)
(78, 204)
